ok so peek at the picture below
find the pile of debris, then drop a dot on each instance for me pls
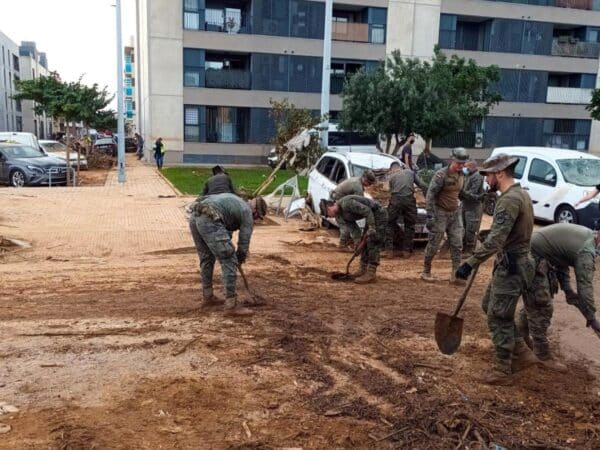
(11, 245)
(99, 160)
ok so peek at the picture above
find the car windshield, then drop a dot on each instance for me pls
(53, 146)
(580, 171)
(21, 152)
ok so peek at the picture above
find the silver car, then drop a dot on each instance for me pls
(21, 165)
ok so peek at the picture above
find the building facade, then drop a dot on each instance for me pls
(33, 65)
(129, 68)
(208, 68)
(11, 118)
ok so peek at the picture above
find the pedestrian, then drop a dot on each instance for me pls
(213, 220)
(472, 196)
(159, 152)
(555, 248)
(139, 142)
(509, 238)
(350, 232)
(351, 209)
(443, 213)
(219, 183)
(403, 205)
(590, 195)
(406, 155)
(428, 161)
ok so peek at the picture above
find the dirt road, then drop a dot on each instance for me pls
(104, 346)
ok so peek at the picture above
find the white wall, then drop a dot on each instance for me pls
(413, 27)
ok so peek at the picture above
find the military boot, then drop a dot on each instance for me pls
(360, 272)
(522, 356)
(232, 308)
(499, 374)
(426, 274)
(368, 277)
(209, 298)
(542, 351)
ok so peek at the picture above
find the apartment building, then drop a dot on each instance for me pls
(208, 68)
(10, 110)
(129, 88)
(34, 64)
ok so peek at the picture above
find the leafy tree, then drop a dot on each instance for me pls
(433, 98)
(594, 106)
(104, 120)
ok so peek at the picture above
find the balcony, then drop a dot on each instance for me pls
(575, 48)
(567, 95)
(227, 79)
(230, 21)
(337, 84)
(351, 32)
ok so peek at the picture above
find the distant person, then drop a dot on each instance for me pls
(406, 156)
(471, 196)
(139, 143)
(428, 161)
(159, 152)
(219, 183)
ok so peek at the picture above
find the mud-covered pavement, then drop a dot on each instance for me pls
(104, 345)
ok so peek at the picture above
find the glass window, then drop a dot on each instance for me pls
(227, 125)
(338, 174)
(193, 67)
(580, 171)
(520, 167)
(325, 165)
(192, 124)
(191, 15)
(542, 172)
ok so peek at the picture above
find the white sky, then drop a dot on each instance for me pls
(77, 35)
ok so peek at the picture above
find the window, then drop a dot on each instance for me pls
(227, 125)
(520, 167)
(338, 174)
(542, 172)
(192, 123)
(193, 67)
(191, 14)
(325, 165)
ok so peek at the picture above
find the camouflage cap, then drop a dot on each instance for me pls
(460, 154)
(498, 163)
(369, 176)
(261, 207)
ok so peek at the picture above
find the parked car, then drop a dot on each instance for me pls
(59, 150)
(334, 167)
(13, 137)
(106, 145)
(130, 145)
(555, 179)
(21, 165)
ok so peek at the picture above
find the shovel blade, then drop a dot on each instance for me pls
(448, 333)
(341, 276)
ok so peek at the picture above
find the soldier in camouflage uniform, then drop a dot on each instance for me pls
(351, 186)
(219, 183)
(509, 237)
(472, 206)
(351, 209)
(555, 248)
(403, 205)
(212, 222)
(443, 213)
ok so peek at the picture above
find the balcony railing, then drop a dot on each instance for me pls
(227, 21)
(575, 96)
(576, 49)
(352, 32)
(337, 84)
(227, 79)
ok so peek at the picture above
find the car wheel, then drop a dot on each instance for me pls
(17, 178)
(565, 214)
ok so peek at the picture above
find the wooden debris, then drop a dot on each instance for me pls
(247, 429)
(186, 346)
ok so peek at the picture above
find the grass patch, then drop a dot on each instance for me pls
(191, 180)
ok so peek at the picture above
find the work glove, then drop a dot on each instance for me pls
(572, 297)
(463, 271)
(371, 232)
(241, 256)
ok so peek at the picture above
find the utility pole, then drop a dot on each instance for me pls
(120, 106)
(325, 86)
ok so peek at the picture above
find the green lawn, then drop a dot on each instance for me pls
(190, 180)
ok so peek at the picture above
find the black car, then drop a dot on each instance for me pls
(21, 165)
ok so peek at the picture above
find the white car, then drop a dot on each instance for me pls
(334, 167)
(59, 150)
(555, 180)
(14, 137)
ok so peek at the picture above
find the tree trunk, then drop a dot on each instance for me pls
(68, 153)
(397, 145)
(388, 143)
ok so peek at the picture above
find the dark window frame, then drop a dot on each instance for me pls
(543, 180)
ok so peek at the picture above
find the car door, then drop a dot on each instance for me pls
(542, 179)
(319, 180)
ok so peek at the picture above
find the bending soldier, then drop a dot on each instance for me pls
(351, 209)
(219, 183)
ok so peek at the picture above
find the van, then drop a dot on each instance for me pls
(555, 180)
(13, 137)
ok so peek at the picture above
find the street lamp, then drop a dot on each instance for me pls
(325, 84)
(120, 106)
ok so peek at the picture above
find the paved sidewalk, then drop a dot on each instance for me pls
(98, 221)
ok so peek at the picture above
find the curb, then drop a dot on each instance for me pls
(171, 185)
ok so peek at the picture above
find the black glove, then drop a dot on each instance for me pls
(241, 256)
(572, 297)
(463, 271)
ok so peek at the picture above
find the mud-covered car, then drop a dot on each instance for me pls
(21, 165)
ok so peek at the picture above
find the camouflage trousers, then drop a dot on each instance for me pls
(471, 217)
(536, 313)
(402, 207)
(584, 276)
(370, 254)
(500, 300)
(349, 232)
(449, 222)
(213, 242)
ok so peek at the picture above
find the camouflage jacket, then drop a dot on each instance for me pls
(218, 184)
(444, 190)
(472, 193)
(351, 186)
(354, 207)
(512, 226)
(402, 182)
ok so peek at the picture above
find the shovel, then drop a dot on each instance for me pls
(341, 276)
(257, 300)
(448, 329)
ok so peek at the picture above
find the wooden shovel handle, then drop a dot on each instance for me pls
(463, 297)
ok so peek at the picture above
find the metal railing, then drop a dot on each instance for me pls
(227, 79)
(573, 96)
(337, 84)
(457, 139)
(575, 48)
(227, 21)
(56, 173)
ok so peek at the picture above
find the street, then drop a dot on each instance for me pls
(105, 346)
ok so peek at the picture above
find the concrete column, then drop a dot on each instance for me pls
(413, 27)
(594, 146)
